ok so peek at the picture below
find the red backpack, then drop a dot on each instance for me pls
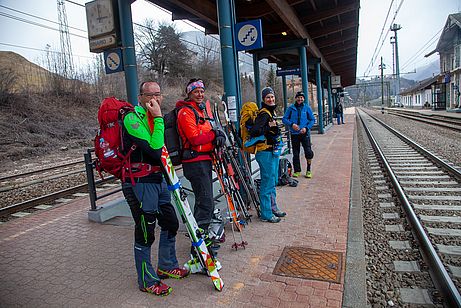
(108, 143)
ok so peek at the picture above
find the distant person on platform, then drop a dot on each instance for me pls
(300, 119)
(149, 199)
(339, 113)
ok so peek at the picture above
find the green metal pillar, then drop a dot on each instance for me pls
(318, 81)
(228, 57)
(330, 101)
(284, 92)
(304, 71)
(257, 79)
(128, 52)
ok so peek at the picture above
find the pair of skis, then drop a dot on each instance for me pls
(237, 155)
(195, 233)
(228, 183)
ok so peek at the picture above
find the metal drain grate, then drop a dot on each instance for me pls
(307, 263)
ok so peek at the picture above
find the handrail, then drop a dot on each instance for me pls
(90, 166)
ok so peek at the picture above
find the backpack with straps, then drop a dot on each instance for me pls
(248, 114)
(108, 143)
(285, 171)
(173, 140)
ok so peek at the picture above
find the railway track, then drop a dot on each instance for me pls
(426, 200)
(433, 119)
(43, 188)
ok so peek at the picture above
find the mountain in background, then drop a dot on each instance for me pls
(425, 72)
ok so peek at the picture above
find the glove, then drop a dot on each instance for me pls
(220, 138)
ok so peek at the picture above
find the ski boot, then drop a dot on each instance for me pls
(194, 266)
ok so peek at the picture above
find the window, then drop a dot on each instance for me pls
(457, 56)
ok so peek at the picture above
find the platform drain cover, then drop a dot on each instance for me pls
(307, 263)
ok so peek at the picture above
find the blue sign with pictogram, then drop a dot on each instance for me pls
(249, 35)
(113, 61)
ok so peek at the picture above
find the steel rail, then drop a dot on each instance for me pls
(47, 198)
(437, 160)
(39, 170)
(436, 122)
(37, 181)
(440, 275)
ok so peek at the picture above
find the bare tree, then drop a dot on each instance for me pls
(161, 51)
(208, 57)
(8, 79)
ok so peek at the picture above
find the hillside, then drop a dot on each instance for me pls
(24, 72)
(35, 121)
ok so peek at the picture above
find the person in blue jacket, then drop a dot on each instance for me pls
(300, 119)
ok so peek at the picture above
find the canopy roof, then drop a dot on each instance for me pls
(330, 27)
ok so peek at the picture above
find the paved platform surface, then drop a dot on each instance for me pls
(57, 258)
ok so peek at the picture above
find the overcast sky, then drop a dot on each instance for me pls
(421, 22)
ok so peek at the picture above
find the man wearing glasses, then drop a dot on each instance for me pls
(148, 196)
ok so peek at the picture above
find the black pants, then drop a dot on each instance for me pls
(200, 177)
(145, 217)
(296, 142)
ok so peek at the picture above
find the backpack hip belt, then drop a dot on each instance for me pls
(139, 170)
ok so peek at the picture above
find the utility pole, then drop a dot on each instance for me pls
(381, 67)
(67, 65)
(394, 79)
(395, 28)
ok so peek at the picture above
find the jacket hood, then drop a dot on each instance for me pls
(182, 103)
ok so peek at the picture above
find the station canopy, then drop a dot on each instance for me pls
(329, 26)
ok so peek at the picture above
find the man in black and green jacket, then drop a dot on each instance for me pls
(147, 193)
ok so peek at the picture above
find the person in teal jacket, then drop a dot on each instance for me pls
(300, 119)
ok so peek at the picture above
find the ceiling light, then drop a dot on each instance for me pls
(284, 33)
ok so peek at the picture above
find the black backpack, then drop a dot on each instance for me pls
(173, 141)
(284, 175)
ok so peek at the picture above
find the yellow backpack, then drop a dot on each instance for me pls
(250, 111)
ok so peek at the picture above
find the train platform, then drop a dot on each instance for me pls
(313, 258)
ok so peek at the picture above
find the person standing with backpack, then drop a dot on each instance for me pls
(148, 196)
(268, 155)
(300, 119)
(199, 140)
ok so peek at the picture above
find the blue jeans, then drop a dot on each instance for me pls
(340, 118)
(150, 203)
(268, 168)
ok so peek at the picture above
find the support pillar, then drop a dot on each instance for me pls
(330, 101)
(257, 79)
(304, 72)
(228, 57)
(318, 81)
(128, 52)
(284, 91)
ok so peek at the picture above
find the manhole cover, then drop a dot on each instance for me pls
(302, 262)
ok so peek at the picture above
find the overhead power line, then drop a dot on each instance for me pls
(422, 49)
(36, 23)
(38, 17)
(375, 55)
(40, 49)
